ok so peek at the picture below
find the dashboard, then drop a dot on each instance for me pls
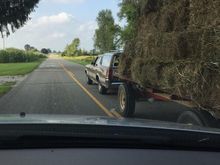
(107, 157)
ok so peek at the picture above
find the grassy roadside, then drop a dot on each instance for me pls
(83, 60)
(4, 88)
(12, 69)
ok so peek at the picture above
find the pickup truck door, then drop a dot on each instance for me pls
(95, 68)
(100, 70)
(90, 69)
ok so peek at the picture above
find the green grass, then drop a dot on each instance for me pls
(82, 60)
(12, 69)
(4, 88)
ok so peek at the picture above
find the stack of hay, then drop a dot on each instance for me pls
(177, 49)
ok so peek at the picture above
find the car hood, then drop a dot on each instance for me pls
(96, 120)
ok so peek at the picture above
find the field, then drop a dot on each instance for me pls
(83, 60)
(4, 88)
(12, 69)
(13, 55)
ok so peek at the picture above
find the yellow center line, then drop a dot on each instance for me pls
(116, 114)
(103, 108)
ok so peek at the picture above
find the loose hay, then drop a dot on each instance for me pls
(177, 49)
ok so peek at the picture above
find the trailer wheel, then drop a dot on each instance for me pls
(190, 118)
(126, 97)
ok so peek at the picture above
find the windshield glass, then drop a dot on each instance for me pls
(157, 61)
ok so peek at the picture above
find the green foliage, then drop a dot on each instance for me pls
(12, 55)
(106, 34)
(129, 10)
(13, 69)
(83, 60)
(28, 47)
(4, 88)
(45, 50)
(73, 48)
(15, 13)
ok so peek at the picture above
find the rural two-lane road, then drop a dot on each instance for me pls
(59, 87)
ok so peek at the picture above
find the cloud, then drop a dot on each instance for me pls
(60, 18)
(57, 35)
(50, 31)
(53, 31)
(86, 32)
(91, 26)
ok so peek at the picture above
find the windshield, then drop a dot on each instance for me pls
(134, 61)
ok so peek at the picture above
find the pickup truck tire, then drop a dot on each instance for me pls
(89, 81)
(191, 118)
(102, 89)
(126, 98)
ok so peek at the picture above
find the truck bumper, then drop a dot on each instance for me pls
(112, 85)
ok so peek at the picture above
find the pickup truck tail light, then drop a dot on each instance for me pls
(109, 73)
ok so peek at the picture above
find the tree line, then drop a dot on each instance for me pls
(28, 47)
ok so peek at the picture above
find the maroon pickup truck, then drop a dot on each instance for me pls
(101, 71)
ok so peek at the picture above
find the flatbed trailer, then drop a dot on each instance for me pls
(130, 92)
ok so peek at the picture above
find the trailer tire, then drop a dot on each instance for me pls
(191, 118)
(126, 98)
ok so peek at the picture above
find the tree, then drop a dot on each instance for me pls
(33, 49)
(105, 34)
(14, 14)
(73, 48)
(27, 47)
(129, 10)
(44, 50)
(49, 50)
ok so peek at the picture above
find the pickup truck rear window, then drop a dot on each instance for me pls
(106, 60)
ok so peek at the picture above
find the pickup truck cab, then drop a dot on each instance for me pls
(101, 71)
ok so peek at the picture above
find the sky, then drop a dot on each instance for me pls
(55, 23)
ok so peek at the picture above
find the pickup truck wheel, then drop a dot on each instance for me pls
(89, 81)
(126, 97)
(190, 118)
(102, 89)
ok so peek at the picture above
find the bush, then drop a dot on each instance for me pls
(12, 55)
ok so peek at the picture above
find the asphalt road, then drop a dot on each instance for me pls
(59, 87)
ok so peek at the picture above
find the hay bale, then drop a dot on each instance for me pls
(167, 47)
(177, 49)
(164, 16)
(204, 13)
(198, 80)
